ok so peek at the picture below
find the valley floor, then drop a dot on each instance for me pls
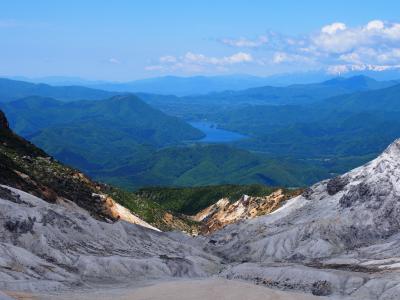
(200, 289)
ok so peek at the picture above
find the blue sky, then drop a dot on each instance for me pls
(126, 40)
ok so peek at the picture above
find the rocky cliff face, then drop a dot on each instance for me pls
(225, 212)
(342, 236)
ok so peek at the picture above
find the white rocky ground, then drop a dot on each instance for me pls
(203, 289)
(51, 246)
(341, 239)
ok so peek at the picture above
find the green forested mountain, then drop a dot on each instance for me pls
(123, 141)
(14, 89)
(382, 100)
(361, 123)
(197, 165)
(125, 116)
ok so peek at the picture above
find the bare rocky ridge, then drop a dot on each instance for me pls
(48, 246)
(225, 212)
(340, 237)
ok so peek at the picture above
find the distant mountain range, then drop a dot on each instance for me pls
(196, 85)
(14, 89)
(201, 106)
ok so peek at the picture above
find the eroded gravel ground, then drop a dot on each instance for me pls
(180, 289)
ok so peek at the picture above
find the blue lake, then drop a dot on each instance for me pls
(214, 134)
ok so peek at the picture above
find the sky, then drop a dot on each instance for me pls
(127, 40)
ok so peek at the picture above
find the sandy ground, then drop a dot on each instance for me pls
(175, 290)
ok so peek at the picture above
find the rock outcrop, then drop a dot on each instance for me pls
(225, 212)
(342, 236)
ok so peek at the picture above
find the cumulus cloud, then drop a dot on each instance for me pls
(374, 46)
(246, 43)
(333, 28)
(337, 38)
(195, 62)
(375, 25)
(336, 47)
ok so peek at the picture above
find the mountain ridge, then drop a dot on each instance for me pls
(14, 89)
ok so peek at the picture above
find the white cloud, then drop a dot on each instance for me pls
(390, 56)
(195, 62)
(374, 46)
(240, 57)
(337, 38)
(352, 57)
(333, 28)
(375, 25)
(236, 58)
(336, 47)
(337, 69)
(246, 43)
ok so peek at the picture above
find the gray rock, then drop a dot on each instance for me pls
(336, 185)
(321, 288)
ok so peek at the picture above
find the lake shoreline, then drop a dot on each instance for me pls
(216, 135)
